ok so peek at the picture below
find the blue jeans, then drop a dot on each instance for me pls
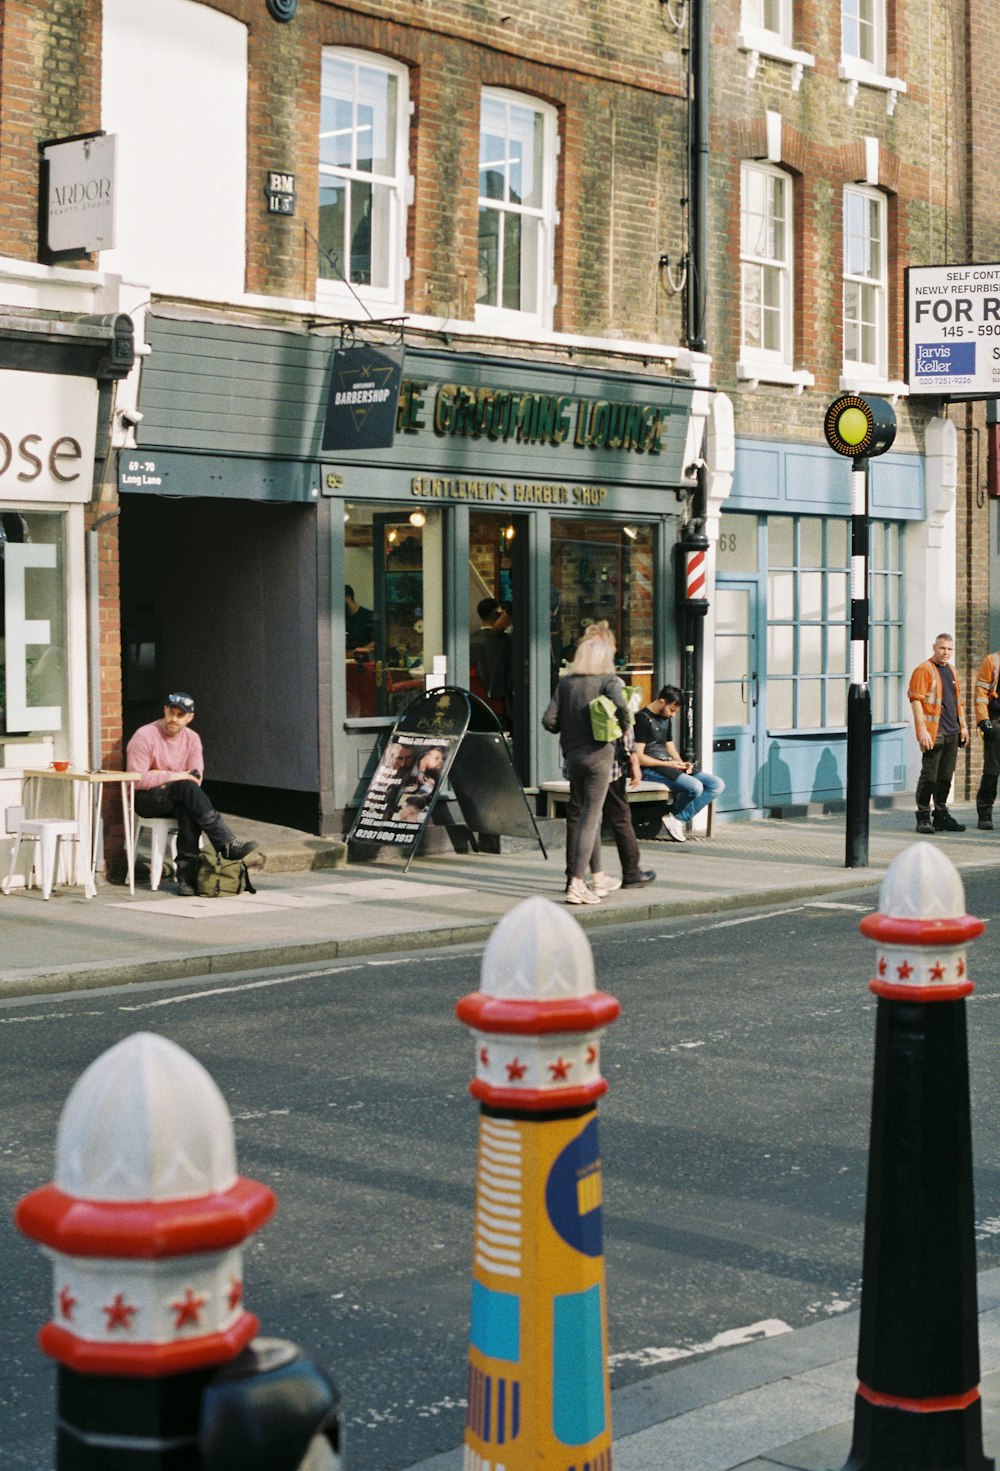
(695, 789)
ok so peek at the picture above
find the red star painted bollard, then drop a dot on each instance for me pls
(539, 1394)
(144, 1223)
(917, 1404)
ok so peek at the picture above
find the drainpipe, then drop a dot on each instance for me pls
(698, 100)
(698, 175)
(94, 639)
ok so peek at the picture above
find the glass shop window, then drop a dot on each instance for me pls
(33, 638)
(603, 570)
(393, 605)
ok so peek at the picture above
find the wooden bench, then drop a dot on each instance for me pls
(556, 792)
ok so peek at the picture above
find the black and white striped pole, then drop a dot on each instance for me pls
(859, 426)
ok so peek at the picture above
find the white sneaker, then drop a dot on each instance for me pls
(603, 883)
(675, 828)
(578, 893)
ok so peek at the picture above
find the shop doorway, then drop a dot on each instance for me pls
(739, 708)
(499, 641)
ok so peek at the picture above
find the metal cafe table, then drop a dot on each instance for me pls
(88, 789)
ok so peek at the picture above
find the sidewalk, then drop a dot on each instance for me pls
(303, 914)
(785, 1401)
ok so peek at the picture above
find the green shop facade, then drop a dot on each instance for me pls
(557, 490)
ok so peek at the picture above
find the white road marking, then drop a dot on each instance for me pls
(302, 975)
(729, 1338)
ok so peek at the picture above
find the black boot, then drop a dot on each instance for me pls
(924, 820)
(985, 823)
(945, 823)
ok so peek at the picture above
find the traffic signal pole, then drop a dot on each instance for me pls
(859, 426)
(859, 699)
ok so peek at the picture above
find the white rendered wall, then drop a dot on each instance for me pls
(175, 92)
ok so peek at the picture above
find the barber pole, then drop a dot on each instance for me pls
(918, 1403)
(539, 1393)
(144, 1223)
(696, 573)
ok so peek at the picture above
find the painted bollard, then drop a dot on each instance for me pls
(144, 1223)
(538, 1387)
(917, 1403)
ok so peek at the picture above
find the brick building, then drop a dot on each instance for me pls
(848, 142)
(506, 199)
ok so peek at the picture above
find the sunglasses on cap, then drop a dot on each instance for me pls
(181, 702)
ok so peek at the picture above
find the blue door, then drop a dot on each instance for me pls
(738, 745)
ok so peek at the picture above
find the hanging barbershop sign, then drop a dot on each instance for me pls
(362, 398)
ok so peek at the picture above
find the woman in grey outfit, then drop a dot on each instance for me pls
(587, 762)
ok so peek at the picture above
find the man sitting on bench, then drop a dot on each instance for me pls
(661, 761)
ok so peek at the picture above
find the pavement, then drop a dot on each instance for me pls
(778, 1397)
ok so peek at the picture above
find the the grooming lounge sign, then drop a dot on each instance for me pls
(628, 430)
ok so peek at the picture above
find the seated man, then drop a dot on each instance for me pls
(660, 760)
(169, 758)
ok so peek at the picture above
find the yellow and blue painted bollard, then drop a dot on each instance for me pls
(538, 1389)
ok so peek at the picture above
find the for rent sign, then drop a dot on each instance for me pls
(953, 330)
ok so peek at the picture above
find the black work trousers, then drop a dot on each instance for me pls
(936, 772)
(987, 793)
(191, 807)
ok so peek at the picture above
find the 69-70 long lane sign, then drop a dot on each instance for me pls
(953, 330)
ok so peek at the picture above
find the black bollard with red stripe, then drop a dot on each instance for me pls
(918, 1405)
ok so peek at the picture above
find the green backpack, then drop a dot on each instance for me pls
(604, 724)
(218, 877)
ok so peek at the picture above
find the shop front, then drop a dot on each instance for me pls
(555, 492)
(782, 625)
(54, 381)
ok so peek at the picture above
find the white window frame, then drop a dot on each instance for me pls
(871, 15)
(760, 362)
(545, 214)
(874, 286)
(398, 185)
(868, 71)
(768, 18)
(767, 28)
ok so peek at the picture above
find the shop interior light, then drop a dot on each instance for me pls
(630, 532)
(391, 536)
(417, 518)
(508, 533)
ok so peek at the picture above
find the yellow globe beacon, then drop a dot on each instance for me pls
(859, 425)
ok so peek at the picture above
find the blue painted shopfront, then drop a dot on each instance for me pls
(782, 626)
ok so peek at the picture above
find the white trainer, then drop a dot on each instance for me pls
(675, 828)
(578, 893)
(603, 883)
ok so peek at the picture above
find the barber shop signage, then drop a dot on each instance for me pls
(363, 398)
(78, 196)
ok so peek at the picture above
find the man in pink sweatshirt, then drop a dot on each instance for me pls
(168, 756)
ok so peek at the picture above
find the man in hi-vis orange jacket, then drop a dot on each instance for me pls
(988, 724)
(939, 721)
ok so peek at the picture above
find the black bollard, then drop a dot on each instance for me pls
(144, 1225)
(917, 1406)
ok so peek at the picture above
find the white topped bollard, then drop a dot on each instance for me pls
(918, 1402)
(539, 1394)
(144, 1223)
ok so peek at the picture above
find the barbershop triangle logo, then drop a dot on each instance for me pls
(363, 397)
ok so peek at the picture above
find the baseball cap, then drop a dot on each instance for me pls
(182, 701)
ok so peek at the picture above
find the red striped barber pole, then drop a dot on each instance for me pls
(696, 574)
(144, 1224)
(917, 1403)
